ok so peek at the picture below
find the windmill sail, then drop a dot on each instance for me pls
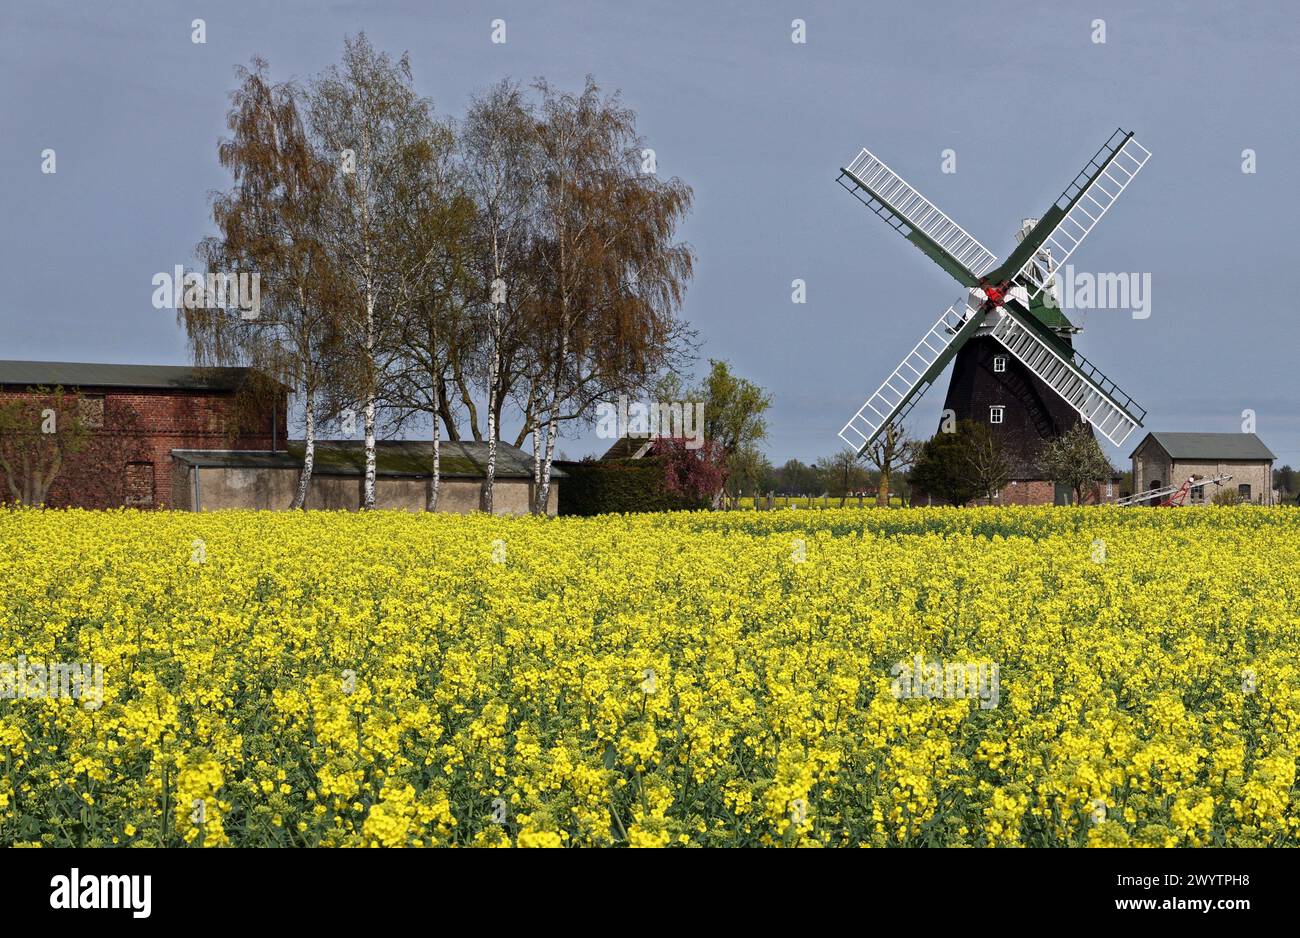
(1001, 296)
(1080, 383)
(895, 398)
(916, 218)
(1076, 212)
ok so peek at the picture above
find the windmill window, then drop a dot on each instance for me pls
(999, 363)
(995, 413)
(1243, 492)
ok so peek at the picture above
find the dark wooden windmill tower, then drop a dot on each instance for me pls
(989, 385)
(1015, 365)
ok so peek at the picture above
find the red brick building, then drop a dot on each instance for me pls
(137, 414)
(1037, 492)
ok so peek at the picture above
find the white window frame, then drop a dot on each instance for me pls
(999, 364)
(996, 413)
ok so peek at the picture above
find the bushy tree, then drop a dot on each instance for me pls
(747, 470)
(842, 474)
(1284, 480)
(734, 423)
(986, 461)
(1075, 459)
(960, 466)
(795, 477)
(1225, 496)
(734, 415)
(692, 472)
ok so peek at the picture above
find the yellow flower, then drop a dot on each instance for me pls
(375, 679)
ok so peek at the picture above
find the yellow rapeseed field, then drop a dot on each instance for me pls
(692, 679)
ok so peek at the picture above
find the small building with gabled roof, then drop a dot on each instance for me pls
(1163, 459)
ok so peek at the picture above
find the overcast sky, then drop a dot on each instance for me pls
(758, 125)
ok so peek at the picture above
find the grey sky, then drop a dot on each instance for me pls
(759, 126)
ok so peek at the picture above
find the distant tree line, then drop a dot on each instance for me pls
(842, 476)
(959, 465)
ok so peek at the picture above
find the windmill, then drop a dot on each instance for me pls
(1011, 341)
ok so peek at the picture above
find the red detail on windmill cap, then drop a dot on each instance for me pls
(995, 295)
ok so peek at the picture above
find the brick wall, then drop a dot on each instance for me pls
(1026, 492)
(1033, 492)
(128, 459)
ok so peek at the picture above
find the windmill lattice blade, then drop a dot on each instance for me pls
(916, 218)
(894, 399)
(1079, 383)
(1084, 202)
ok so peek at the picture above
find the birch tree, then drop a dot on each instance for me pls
(271, 223)
(436, 224)
(367, 119)
(611, 277)
(497, 148)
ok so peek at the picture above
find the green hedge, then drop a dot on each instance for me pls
(596, 488)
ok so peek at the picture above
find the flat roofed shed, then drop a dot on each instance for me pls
(393, 458)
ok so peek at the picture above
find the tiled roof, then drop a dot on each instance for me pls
(1228, 446)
